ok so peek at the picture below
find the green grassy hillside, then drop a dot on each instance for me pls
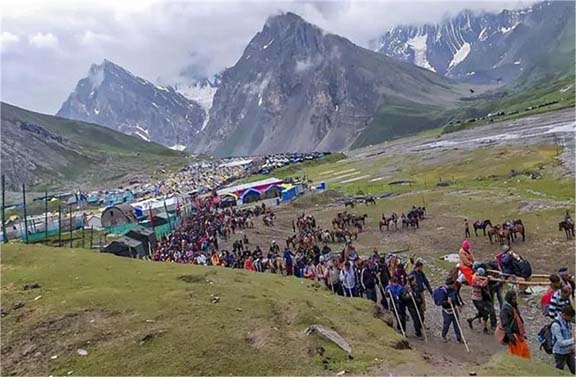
(52, 151)
(143, 318)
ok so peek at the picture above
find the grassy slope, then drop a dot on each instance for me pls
(483, 168)
(106, 154)
(189, 334)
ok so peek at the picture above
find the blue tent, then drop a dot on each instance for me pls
(289, 194)
(250, 195)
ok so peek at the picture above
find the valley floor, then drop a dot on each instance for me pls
(137, 317)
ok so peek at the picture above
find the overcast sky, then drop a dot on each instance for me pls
(47, 46)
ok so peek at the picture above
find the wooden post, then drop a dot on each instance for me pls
(25, 214)
(4, 232)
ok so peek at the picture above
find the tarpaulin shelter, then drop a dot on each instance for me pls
(125, 247)
(274, 191)
(289, 194)
(144, 235)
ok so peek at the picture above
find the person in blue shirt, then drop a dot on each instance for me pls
(449, 316)
(563, 339)
(394, 290)
(289, 261)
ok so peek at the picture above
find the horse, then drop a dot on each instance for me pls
(505, 235)
(518, 227)
(568, 228)
(370, 199)
(494, 233)
(481, 225)
(350, 203)
(268, 220)
(384, 222)
(361, 219)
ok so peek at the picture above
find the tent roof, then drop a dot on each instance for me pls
(131, 242)
(246, 186)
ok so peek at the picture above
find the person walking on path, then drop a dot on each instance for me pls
(563, 339)
(410, 298)
(422, 284)
(368, 280)
(513, 326)
(466, 229)
(559, 300)
(480, 298)
(466, 262)
(449, 299)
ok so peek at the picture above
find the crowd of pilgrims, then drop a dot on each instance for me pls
(401, 281)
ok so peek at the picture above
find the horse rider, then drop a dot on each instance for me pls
(567, 217)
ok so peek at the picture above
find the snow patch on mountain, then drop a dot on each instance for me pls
(419, 46)
(460, 55)
(203, 94)
(178, 147)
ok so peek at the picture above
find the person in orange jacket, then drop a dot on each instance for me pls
(466, 262)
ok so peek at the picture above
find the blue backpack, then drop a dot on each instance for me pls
(440, 295)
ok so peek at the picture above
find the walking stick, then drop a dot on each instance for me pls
(458, 324)
(420, 318)
(397, 316)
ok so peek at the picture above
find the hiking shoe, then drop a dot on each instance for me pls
(444, 339)
(470, 320)
(459, 341)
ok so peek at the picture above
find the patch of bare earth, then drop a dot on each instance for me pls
(32, 351)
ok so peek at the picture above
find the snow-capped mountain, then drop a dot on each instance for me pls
(298, 88)
(113, 97)
(482, 47)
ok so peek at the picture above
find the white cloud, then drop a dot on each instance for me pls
(43, 40)
(171, 41)
(7, 38)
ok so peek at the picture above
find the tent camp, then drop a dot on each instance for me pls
(116, 215)
(125, 247)
(144, 235)
(228, 200)
(274, 191)
(250, 195)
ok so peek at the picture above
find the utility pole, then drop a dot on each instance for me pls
(59, 225)
(46, 214)
(4, 233)
(25, 214)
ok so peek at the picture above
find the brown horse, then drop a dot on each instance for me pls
(567, 227)
(518, 227)
(369, 199)
(494, 233)
(481, 225)
(384, 222)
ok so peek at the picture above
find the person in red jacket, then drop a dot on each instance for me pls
(248, 265)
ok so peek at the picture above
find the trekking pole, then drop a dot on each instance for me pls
(420, 317)
(397, 316)
(458, 324)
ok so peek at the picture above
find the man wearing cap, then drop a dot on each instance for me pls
(449, 316)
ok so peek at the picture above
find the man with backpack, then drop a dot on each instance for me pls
(563, 339)
(447, 297)
(513, 326)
